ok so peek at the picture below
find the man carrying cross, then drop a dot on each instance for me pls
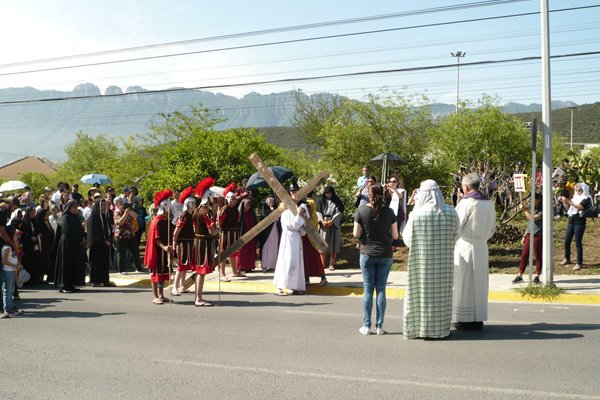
(289, 270)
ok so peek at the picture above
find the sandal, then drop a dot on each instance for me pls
(323, 282)
(203, 303)
(280, 292)
(331, 268)
(297, 292)
(157, 301)
(225, 280)
(239, 275)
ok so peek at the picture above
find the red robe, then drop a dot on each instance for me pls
(155, 258)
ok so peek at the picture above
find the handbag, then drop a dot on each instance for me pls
(22, 276)
(589, 212)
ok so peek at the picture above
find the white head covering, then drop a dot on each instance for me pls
(163, 206)
(229, 196)
(578, 198)
(217, 191)
(189, 202)
(206, 197)
(429, 194)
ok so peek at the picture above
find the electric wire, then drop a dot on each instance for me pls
(280, 42)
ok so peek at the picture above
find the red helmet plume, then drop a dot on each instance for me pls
(187, 192)
(204, 185)
(229, 188)
(162, 195)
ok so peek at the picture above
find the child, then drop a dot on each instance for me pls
(10, 266)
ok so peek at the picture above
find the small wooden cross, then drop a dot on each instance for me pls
(289, 203)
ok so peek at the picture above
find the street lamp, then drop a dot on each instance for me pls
(458, 55)
(572, 110)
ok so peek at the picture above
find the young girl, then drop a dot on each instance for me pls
(10, 266)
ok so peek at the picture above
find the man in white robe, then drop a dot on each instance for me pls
(477, 218)
(289, 270)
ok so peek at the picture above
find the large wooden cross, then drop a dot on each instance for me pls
(289, 203)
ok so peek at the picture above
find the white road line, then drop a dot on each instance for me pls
(401, 382)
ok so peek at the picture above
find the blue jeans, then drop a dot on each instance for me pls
(375, 271)
(8, 288)
(576, 230)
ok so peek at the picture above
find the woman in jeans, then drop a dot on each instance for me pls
(576, 225)
(375, 226)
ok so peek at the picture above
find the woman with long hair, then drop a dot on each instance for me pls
(396, 200)
(576, 223)
(375, 226)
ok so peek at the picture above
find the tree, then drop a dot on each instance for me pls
(312, 114)
(89, 154)
(37, 182)
(483, 133)
(353, 132)
(220, 154)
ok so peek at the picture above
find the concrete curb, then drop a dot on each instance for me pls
(335, 290)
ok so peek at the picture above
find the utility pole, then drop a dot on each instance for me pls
(572, 110)
(458, 55)
(547, 198)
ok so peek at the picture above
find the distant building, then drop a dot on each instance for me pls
(16, 169)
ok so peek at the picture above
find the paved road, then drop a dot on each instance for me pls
(114, 344)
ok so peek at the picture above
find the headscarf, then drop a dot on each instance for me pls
(98, 229)
(578, 198)
(429, 194)
(322, 205)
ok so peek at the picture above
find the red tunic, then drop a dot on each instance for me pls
(313, 265)
(185, 243)
(204, 245)
(155, 258)
(229, 221)
(246, 260)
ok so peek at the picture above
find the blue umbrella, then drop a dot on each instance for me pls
(257, 181)
(100, 179)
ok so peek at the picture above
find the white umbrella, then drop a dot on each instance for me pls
(12, 186)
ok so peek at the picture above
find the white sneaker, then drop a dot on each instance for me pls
(577, 267)
(380, 331)
(565, 262)
(364, 330)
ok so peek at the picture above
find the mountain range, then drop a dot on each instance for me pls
(37, 126)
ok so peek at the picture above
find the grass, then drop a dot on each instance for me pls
(548, 292)
(503, 259)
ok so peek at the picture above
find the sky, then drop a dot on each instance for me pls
(72, 32)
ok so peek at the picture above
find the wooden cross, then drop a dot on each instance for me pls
(289, 203)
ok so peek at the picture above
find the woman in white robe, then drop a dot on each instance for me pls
(289, 271)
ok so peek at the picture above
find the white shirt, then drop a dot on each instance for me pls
(12, 257)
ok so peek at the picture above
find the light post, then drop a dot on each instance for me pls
(572, 110)
(458, 55)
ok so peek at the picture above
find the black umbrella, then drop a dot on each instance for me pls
(384, 159)
(257, 181)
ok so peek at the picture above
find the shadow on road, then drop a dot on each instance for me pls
(67, 314)
(537, 331)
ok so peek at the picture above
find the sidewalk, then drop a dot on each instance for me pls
(578, 289)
